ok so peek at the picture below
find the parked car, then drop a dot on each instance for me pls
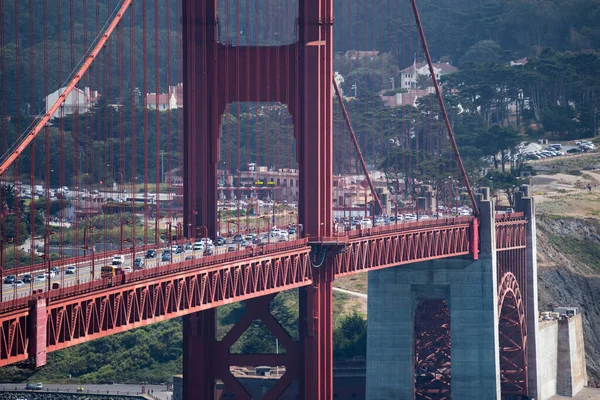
(151, 254)
(118, 259)
(575, 150)
(70, 270)
(9, 279)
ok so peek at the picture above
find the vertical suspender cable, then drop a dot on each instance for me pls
(18, 129)
(32, 210)
(145, 94)
(157, 123)
(134, 109)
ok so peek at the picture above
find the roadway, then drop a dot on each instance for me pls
(83, 271)
(159, 391)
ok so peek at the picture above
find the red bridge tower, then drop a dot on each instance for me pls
(298, 75)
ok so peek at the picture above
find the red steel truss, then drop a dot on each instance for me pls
(432, 350)
(74, 320)
(450, 239)
(86, 312)
(511, 243)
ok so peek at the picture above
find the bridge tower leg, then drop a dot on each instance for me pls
(400, 332)
(306, 88)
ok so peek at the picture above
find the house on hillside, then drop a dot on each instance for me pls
(177, 91)
(406, 97)
(410, 75)
(162, 102)
(77, 101)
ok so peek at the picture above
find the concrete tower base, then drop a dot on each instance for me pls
(470, 290)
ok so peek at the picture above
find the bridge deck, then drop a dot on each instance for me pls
(105, 307)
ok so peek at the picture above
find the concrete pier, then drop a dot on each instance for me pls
(470, 290)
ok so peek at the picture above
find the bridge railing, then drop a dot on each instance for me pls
(197, 262)
(404, 226)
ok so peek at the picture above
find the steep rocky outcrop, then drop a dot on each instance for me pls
(569, 273)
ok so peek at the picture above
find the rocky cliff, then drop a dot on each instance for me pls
(569, 274)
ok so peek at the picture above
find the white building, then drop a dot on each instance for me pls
(161, 101)
(78, 101)
(410, 75)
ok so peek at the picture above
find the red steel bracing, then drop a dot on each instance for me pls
(443, 107)
(432, 351)
(404, 247)
(356, 146)
(513, 337)
(112, 309)
(511, 250)
(256, 310)
(11, 156)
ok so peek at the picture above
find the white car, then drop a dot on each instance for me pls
(198, 246)
(40, 278)
(205, 241)
(410, 217)
(118, 259)
(70, 270)
(127, 269)
(366, 223)
(18, 282)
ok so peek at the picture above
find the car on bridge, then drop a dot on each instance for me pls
(70, 270)
(18, 282)
(166, 256)
(27, 278)
(138, 264)
(118, 259)
(151, 254)
(9, 279)
(40, 278)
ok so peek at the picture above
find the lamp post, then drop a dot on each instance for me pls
(85, 245)
(265, 217)
(202, 229)
(2, 241)
(46, 255)
(93, 270)
(126, 222)
(170, 239)
(132, 241)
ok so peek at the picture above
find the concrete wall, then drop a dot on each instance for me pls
(547, 359)
(470, 288)
(571, 375)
